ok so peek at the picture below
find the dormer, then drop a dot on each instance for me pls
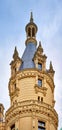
(40, 58)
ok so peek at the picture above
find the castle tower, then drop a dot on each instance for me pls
(31, 88)
(2, 123)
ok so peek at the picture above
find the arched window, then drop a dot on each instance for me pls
(33, 32)
(29, 32)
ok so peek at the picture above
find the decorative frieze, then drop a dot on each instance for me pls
(30, 106)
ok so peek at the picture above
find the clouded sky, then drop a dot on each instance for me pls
(14, 15)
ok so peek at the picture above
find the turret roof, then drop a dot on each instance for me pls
(27, 58)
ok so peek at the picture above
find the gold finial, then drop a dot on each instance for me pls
(31, 17)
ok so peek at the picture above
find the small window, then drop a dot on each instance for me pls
(15, 86)
(33, 32)
(39, 66)
(29, 32)
(13, 127)
(41, 99)
(41, 125)
(38, 98)
(15, 70)
(39, 82)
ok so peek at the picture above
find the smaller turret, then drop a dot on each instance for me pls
(51, 70)
(15, 63)
(15, 55)
(40, 49)
(51, 67)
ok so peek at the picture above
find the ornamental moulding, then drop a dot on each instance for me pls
(26, 73)
(21, 108)
(33, 73)
(14, 93)
(40, 89)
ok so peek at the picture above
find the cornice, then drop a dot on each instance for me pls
(24, 73)
(32, 40)
(31, 106)
(33, 73)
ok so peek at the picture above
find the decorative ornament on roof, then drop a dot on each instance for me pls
(15, 55)
(40, 47)
(51, 67)
(31, 18)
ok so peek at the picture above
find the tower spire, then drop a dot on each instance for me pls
(31, 17)
(31, 30)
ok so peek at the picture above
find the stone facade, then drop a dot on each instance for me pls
(31, 88)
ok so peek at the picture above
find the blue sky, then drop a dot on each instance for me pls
(14, 15)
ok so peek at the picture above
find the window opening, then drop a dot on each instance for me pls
(15, 85)
(13, 127)
(33, 32)
(15, 70)
(39, 82)
(41, 125)
(39, 66)
(39, 98)
(29, 32)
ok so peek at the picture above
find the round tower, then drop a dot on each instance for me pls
(31, 88)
